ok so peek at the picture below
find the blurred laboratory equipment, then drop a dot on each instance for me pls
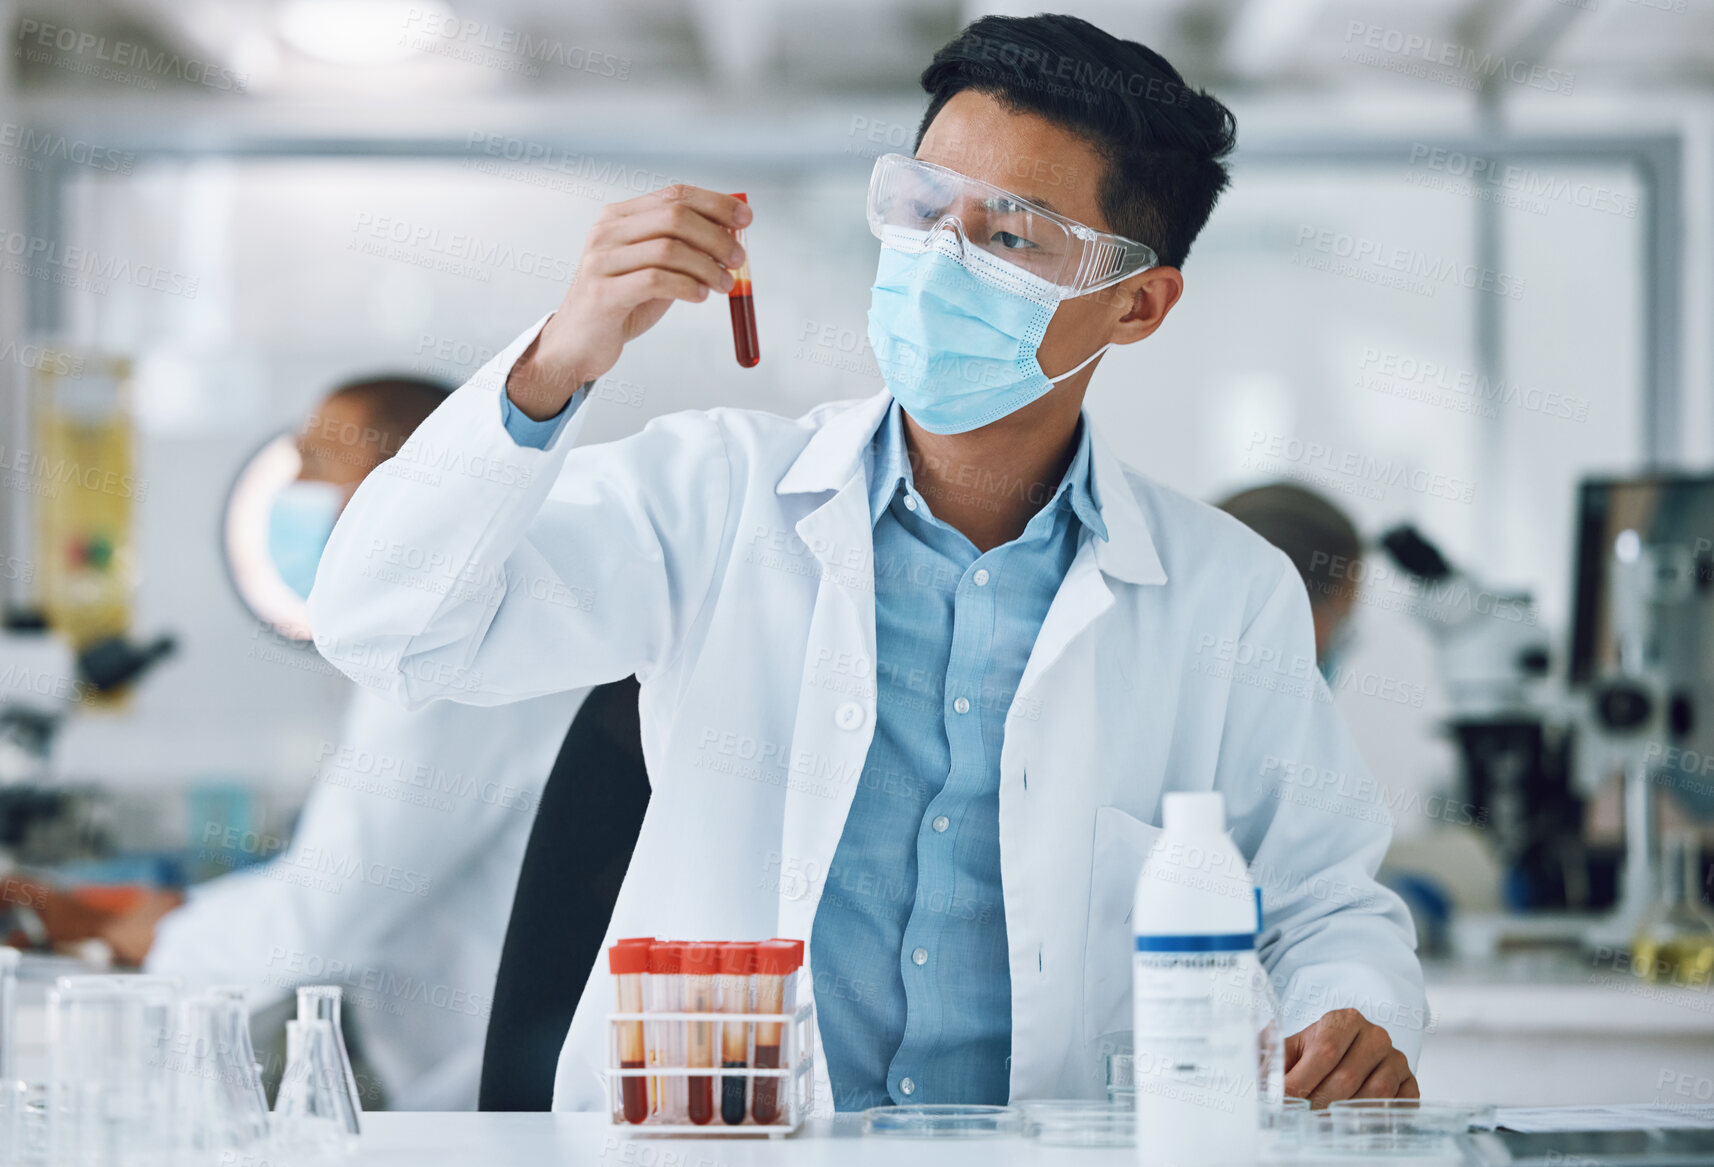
(86, 527)
(111, 1098)
(221, 1104)
(137, 1074)
(1635, 708)
(8, 1011)
(1493, 660)
(314, 1114)
(49, 678)
(1675, 941)
(317, 1111)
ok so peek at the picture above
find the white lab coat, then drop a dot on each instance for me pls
(397, 884)
(724, 557)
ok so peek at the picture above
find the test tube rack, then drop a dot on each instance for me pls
(795, 1076)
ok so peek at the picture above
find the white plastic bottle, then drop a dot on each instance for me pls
(1196, 982)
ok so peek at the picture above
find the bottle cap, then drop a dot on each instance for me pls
(1194, 814)
(626, 959)
(737, 960)
(666, 958)
(778, 958)
(701, 959)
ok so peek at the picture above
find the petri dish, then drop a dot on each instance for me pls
(1286, 1124)
(1401, 1126)
(1080, 1123)
(943, 1121)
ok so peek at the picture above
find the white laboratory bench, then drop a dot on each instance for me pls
(1520, 1031)
(524, 1140)
(1550, 1031)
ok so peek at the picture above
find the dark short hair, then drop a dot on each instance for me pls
(396, 403)
(1163, 141)
(1318, 538)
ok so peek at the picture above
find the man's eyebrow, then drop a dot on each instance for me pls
(1042, 203)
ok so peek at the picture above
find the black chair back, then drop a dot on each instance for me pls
(580, 846)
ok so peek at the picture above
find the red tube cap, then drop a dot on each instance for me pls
(737, 960)
(626, 959)
(701, 959)
(666, 958)
(778, 958)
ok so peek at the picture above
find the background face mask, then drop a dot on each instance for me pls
(299, 526)
(958, 348)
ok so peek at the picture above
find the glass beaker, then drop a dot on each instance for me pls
(110, 1097)
(323, 1003)
(1675, 941)
(218, 1085)
(313, 1115)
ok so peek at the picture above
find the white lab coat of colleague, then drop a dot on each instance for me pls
(725, 558)
(397, 885)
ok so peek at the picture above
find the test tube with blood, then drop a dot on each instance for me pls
(629, 963)
(700, 961)
(777, 962)
(743, 307)
(732, 995)
(666, 1040)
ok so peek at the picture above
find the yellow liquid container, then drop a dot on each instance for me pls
(1675, 943)
(83, 476)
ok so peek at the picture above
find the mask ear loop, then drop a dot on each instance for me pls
(1080, 364)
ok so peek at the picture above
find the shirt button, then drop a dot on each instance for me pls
(981, 577)
(906, 1086)
(849, 715)
(961, 705)
(920, 956)
(941, 822)
(910, 505)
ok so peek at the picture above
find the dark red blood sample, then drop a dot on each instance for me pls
(701, 1100)
(766, 1107)
(635, 1093)
(744, 344)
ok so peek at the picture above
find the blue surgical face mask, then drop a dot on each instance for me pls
(299, 527)
(956, 336)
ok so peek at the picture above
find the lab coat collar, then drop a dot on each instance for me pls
(834, 454)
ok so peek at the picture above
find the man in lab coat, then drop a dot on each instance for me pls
(917, 669)
(398, 879)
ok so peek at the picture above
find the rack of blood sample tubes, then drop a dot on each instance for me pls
(709, 1038)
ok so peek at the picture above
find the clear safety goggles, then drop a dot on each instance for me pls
(918, 206)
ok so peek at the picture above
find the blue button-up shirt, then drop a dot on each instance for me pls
(912, 985)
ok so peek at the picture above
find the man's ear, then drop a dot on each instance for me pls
(1148, 297)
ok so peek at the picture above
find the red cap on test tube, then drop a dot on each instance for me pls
(737, 960)
(666, 958)
(627, 959)
(779, 958)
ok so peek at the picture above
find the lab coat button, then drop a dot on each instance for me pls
(962, 705)
(849, 716)
(920, 956)
(906, 1086)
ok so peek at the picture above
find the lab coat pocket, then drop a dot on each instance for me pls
(1122, 845)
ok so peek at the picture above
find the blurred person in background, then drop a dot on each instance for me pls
(1324, 546)
(398, 880)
